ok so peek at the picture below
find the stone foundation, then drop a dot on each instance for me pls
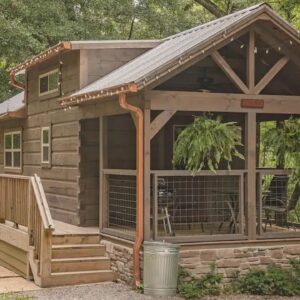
(121, 260)
(228, 261)
(198, 262)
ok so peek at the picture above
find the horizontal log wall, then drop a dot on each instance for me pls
(65, 183)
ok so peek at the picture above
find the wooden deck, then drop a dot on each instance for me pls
(62, 228)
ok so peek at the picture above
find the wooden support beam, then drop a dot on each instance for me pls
(222, 63)
(147, 176)
(251, 62)
(102, 176)
(250, 191)
(198, 101)
(160, 121)
(270, 75)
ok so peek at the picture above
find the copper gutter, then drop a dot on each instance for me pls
(14, 82)
(50, 52)
(139, 184)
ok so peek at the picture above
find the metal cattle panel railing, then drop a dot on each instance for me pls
(202, 206)
(275, 216)
(120, 198)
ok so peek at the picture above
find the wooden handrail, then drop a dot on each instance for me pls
(23, 202)
(201, 173)
(42, 203)
(119, 172)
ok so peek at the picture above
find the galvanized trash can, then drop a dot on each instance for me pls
(160, 268)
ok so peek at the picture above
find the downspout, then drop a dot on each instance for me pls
(139, 184)
(14, 82)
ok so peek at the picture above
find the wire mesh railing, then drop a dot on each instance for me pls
(277, 214)
(121, 201)
(207, 204)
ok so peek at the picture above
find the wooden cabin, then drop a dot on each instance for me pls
(86, 152)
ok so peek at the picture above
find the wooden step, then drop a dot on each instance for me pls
(73, 239)
(69, 278)
(80, 264)
(76, 251)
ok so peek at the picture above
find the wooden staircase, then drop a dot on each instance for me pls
(78, 259)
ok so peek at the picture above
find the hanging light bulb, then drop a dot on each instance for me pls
(291, 42)
(255, 50)
(279, 48)
(242, 46)
(267, 51)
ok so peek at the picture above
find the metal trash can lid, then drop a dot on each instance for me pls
(160, 246)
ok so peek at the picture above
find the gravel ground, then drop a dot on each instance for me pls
(103, 291)
(116, 291)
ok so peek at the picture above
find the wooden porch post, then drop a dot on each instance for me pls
(147, 176)
(102, 177)
(250, 191)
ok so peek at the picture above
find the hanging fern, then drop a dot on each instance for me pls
(207, 142)
(284, 143)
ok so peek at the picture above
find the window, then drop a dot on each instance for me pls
(12, 150)
(46, 145)
(48, 83)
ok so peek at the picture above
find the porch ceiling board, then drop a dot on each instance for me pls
(270, 74)
(270, 39)
(218, 102)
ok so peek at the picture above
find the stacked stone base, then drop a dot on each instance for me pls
(197, 262)
(121, 261)
(229, 261)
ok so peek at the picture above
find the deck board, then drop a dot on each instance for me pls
(62, 228)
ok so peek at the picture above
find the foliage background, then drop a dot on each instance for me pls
(29, 26)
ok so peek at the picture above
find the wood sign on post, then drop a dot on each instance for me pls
(252, 103)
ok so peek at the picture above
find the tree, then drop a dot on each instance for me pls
(29, 26)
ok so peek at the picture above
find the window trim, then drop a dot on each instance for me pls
(12, 151)
(46, 163)
(47, 75)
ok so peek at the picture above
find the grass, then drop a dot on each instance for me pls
(13, 296)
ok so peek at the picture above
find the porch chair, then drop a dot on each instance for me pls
(163, 206)
(274, 200)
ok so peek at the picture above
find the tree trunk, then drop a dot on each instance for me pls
(212, 8)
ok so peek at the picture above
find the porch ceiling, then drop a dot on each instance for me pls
(177, 51)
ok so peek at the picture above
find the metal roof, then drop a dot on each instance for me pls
(12, 104)
(152, 62)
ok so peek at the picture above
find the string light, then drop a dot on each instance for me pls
(267, 50)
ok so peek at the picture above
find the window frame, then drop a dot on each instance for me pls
(56, 70)
(12, 150)
(49, 145)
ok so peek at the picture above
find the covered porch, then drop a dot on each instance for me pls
(252, 201)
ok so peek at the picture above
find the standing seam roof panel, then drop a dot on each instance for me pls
(172, 48)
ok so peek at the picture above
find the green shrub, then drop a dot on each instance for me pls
(12, 296)
(191, 288)
(275, 280)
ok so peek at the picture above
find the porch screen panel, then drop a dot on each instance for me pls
(122, 203)
(198, 205)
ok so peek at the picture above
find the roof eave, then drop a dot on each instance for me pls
(81, 99)
(12, 115)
